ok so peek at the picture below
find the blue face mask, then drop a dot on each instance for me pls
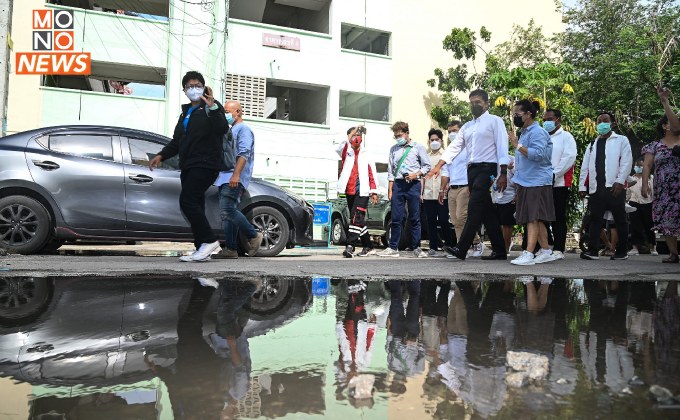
(604, 128)
(638, 169)
(549, 126)
(401, 141)
(230, 118)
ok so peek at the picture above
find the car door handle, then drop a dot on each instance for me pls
(46, 164)
(141, 178)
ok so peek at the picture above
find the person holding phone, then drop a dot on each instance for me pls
(197, 140)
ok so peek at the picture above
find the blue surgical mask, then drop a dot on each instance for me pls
(638, 169)
(194, 94)
(401, 141)
(604, 128)
(549, 126)
(230, 118)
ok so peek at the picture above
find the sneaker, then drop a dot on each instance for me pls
(619, 257)
(388, 252)
(526, 279)
(476, 250)
(190, 258)
(558, 255)
(226, 254)
(207, 282)
(203, 253)
(348, 252)
(526, 258)
(419, 253)
(254, 244)
(454, 253)
(654, 251)
(589, 256)
(435, 253)
(365, 252)
(545, 280)
(633, 251)
(543, 257)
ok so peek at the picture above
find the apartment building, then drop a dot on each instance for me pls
(304, 70)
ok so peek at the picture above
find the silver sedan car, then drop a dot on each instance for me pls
(93, 182)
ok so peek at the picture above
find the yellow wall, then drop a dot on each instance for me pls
(419, 29)
(14, 399)
(24, 99)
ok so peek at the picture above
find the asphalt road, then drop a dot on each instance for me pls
(162, 258)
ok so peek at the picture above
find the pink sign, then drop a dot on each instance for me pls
(280, 41)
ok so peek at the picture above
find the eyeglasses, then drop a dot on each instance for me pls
(199, 86)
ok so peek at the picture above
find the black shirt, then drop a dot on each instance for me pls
(600, 156)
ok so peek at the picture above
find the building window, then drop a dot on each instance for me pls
(154, 9)
(294, 101)
(116, 78)
(364, 39)
(364, 106)
(308, 15)
(249, 91)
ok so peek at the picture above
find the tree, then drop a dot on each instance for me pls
(621, 50)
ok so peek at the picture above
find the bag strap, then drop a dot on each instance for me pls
(403, 157)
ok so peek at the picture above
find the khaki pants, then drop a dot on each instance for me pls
(458, 210)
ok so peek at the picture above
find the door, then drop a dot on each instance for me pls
(84, 174)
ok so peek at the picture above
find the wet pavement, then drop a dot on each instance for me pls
(282, 347)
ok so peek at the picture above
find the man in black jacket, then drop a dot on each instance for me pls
(198, 141)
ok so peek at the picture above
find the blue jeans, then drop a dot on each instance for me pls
(405, 194)
(233, 220)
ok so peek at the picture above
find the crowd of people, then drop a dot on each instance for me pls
(476, 181)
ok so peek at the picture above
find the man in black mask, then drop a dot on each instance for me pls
(486, 141)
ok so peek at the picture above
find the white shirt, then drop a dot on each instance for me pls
(432, 185)
(456, 171)
(563, 157)
(618, 162)
(485, 139)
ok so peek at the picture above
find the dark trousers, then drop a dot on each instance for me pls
(437, 215)
(600, 202)
(481, 209)
(405, 323)
(195, 182)
(641, 224)
(358, 213)
(559, 226)
(405, 194)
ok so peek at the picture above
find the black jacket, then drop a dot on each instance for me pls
(201, 145)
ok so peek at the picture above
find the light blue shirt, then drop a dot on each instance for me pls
(244, 140)
(416, 160)
(535, 169)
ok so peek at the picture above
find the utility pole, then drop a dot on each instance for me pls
(5, 36)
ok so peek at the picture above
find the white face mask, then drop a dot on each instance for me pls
(435, 145)
(453, 136)
(194, 94)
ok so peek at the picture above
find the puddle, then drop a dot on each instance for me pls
(169, 347)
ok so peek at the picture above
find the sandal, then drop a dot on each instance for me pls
(672, 259)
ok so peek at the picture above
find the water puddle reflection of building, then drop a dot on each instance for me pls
(275, 347)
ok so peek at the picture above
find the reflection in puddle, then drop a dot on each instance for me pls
(276, 347)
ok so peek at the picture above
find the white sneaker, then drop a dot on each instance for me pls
(476, 250)
(207, 282)
(419, 253)
(654, 251)
(545, 280)
(388, 252)
(558, 255)
(633, 251)
(526, 258)
(205, 251)
(543, 257)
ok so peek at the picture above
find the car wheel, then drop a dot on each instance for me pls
(24, 224)
(338, 235)
(271, 296)
(274, 228)
(23, 300)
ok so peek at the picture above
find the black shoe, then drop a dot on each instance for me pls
(348, 252)
(619, 257)
(589, 256)
(365, 252)
(454, 253)
(495, 256)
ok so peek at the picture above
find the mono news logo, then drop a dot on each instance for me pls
(53, 43)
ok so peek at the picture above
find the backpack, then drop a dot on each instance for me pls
(228, 152)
